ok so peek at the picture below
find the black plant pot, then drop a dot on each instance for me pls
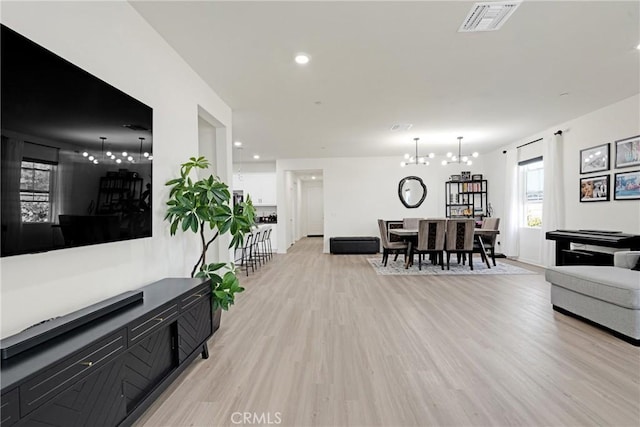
(216, 315)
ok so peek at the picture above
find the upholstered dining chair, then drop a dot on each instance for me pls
(391, 224)
(390, 247)
(489, 241)
(460, 238)
(431, 233)
(411, 223)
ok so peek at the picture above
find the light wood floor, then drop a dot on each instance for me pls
(321, 340)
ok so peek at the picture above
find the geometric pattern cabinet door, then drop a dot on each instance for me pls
(95, 401)
(147, 363)
(106, 370)
(193, 327)
(9, 408)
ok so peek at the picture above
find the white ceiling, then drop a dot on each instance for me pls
(375, 64)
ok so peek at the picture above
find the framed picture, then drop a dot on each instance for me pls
(455, 178)
(594, 189)
(466, 175)
(627, 186)
(628, 152)
(476, 177)
(594, 159)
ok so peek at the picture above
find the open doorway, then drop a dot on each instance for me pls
(213, 145)
(312, 209)
(303, 205)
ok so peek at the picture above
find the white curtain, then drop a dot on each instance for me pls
(511, 220)
(11, 218)
(553, 205)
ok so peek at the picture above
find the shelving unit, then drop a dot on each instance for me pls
(117, 194)
(466, 199)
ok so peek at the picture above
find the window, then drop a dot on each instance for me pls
(35, 191)
(532, 173)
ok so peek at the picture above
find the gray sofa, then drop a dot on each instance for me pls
(606, 295)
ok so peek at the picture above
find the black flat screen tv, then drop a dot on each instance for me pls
(76, 154)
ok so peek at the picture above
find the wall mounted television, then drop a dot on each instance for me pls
(76, 154)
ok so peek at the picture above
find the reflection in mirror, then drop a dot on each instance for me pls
(412, 191)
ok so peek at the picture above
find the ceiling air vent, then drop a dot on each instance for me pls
(136, 127)
(488, 16)
(400, 127)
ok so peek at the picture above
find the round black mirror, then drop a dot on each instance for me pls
(412, 191)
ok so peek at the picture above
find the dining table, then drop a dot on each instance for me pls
(410, 235)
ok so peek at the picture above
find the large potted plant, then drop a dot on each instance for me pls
(195, 205)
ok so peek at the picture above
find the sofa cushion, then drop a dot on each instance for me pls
(620, 286)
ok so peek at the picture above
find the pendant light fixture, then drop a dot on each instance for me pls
(146, 154)
(94, 159)
(460, 158)
(416, 160)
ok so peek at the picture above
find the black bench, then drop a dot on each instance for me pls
(354, 245)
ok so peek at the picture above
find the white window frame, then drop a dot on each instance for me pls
(49, 193)
(526, 166)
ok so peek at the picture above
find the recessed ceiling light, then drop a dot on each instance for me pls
(313, 177)
(256, 156)
(302, 58)
(237, 144)
(638, 47)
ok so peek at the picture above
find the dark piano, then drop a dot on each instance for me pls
(610, 239)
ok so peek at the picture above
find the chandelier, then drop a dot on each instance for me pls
(460, 158)
(94, 159)
(416, 160)
(115, 157)
(146, 154)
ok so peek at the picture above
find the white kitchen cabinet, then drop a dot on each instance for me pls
(260, 186)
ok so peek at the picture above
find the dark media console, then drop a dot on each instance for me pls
(108, 371)
(611, 239)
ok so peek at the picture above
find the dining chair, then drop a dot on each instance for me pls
(390, 247)
(392, 224)
(431, 238)
(459, 239)
(411, 223)
(489, 241)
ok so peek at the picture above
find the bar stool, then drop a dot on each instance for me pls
(263, 243)
(246, 256)
(255, 249)
(268, 243)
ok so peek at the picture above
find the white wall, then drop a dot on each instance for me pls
(207, 148)
(359, 191)
(254, 167)
(111, 41)
(617, 121)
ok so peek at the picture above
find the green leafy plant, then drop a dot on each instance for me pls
(195, 204)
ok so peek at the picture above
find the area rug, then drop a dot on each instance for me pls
(397, 268)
